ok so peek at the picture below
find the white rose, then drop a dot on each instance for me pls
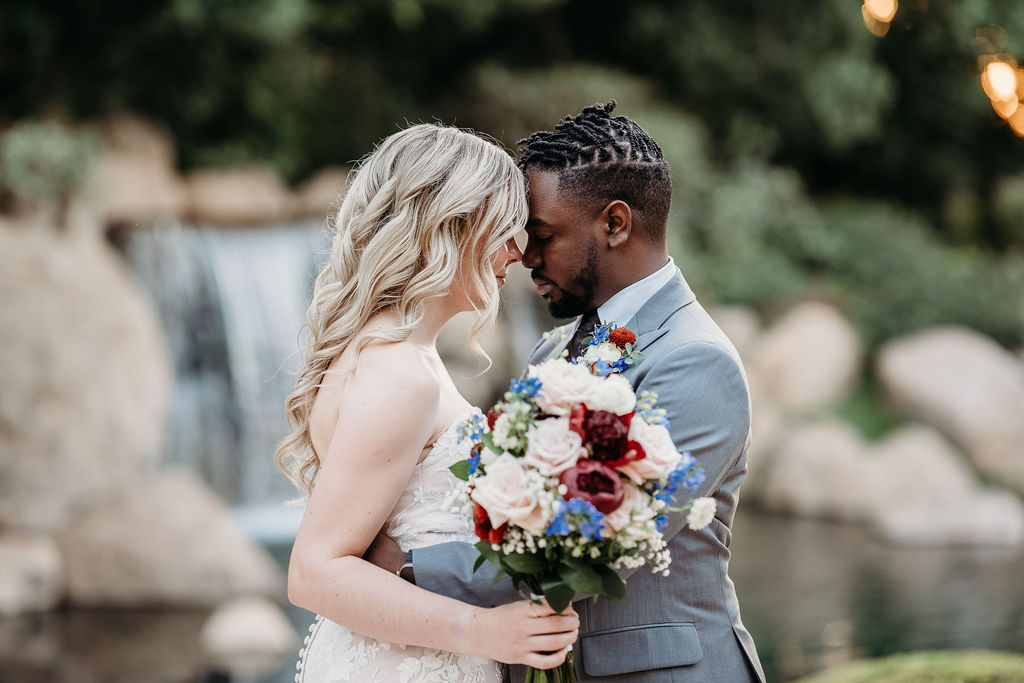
(505, 494)
(562, 385)
(661, 459)
(552, 447)
(605, 351)
(702, 511)
(633, 499)
(502, 433)
(614, 394)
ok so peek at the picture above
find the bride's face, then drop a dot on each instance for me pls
(505, 256)
(500, 260)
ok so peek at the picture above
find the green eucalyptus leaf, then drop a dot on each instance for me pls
(580, 576)
(557, 594)
(527, 563)
(488, 552)
(612, 585)
(488, 440)
(460, 470)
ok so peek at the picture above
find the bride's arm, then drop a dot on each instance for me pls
(379, 435)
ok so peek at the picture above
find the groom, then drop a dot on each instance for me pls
(600, 192)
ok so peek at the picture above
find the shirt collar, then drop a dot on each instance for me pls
(627, 302)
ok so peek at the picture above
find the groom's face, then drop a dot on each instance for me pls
(563, 248)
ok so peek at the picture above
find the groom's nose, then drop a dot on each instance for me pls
(531, 255)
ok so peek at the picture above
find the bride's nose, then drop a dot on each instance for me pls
(515, 254)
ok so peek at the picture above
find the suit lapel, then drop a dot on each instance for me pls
(649, 322)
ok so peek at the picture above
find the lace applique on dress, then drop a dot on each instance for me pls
(334, 653)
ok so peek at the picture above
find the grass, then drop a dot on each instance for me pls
(947, 666)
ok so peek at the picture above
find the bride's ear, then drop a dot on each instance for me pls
(618, 220)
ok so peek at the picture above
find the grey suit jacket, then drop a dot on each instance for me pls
(685, 627)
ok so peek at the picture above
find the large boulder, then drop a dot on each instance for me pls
(825, 469)
(321, 194)
(967, 386)
(135, 178)
(913, 466)
(248, 195)
(810, 358)
(248, 637)
(86, 377)
(741, 325)
(31, 574)
(817, 472)
(768, 426)
(166, 540)
(979, 517)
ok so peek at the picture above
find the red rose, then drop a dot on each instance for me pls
(492, 417)
(634, 452)
(594, 482)
(606, 434)
(484, 530)
(620, 336)
(576, 419)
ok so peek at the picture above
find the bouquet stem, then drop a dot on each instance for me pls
(563, 673)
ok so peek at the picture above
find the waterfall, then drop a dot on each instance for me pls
(232, 303)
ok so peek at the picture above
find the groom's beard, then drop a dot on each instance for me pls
(569, 305)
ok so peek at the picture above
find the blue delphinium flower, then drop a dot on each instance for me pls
(645, 409)
(525, 388)
(474, 461)
(687, 474)
(472, 429)
(590, 521)
(601, 333)
(660, 522)
(559, 526)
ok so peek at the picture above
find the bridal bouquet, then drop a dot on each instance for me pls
(570, 477)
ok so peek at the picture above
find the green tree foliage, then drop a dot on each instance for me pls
(780, 120)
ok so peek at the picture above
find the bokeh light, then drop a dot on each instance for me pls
(1003, 82)
(881, 10)
(878, 14)
(1000, 81)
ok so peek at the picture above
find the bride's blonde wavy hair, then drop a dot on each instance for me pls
(425, 210)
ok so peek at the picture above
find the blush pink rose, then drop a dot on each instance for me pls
(562, 385)
(504, 493)
(660, 454)
(552, 447)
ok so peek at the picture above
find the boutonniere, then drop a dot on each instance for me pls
(609, 349)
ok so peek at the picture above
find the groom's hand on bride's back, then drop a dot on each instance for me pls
(385, 553)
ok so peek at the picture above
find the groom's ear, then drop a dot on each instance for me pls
(618, 220)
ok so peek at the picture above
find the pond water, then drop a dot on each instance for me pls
(813, 594)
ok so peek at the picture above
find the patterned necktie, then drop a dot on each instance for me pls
(583, 330)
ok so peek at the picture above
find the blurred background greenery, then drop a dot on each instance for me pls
(808, 152)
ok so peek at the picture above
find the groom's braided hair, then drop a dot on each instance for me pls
(600, 158)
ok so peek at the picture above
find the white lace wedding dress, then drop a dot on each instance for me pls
(334, 653)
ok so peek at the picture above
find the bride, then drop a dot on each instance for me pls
(426, 230)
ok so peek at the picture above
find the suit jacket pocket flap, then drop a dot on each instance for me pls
(639, 648)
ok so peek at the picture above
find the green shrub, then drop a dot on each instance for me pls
(896, 278)
(44, 163)
(929, 667)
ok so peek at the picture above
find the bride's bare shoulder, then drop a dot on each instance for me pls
(387, 379)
